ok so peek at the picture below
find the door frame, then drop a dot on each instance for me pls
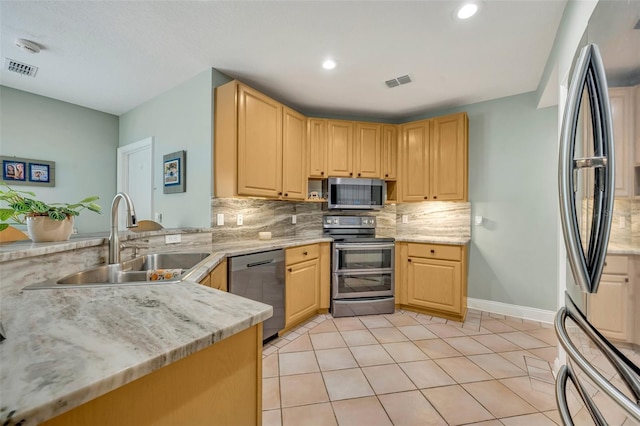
(122, 175)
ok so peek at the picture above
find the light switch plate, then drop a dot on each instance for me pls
(294, 219)
(239, 220)
(172, 239)
(220, 219)
(405, 218)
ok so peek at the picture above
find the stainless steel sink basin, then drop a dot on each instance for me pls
(130, 272)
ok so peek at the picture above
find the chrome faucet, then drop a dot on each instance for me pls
(114, 241)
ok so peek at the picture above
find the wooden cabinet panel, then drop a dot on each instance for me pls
(368, 151)
(434, 284)
(609, 307)
(294, 138)
(435, 251)
(621, 111)
(340, 148)
(219, 276)
(206, 281)
(389, 151)
(415, 161)
(317, 151)
(302, 253)
(302, 291)
(448, 157)
(259, 144)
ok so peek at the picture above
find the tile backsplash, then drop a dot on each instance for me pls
(427, 218)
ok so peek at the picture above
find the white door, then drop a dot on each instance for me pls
(135, 177)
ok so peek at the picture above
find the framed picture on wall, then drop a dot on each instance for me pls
(25, 171)
(174, 172)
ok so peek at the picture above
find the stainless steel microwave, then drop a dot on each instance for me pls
(354, 193)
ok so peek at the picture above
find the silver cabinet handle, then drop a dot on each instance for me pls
(623, 366)
(589, 73)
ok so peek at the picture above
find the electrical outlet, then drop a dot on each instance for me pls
(405, 218)
(623, 222)
(220, 219)
(172, 239)
(239, 220)
(157, 217)
(294, 219)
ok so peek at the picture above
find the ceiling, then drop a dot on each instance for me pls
(115, 55)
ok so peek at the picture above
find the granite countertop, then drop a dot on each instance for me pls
(457, 241)
(66, 347)
(629, 249)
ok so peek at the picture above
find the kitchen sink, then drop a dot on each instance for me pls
(130, 272)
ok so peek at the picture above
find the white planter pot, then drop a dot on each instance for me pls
(44, 229)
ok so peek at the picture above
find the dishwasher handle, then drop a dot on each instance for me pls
(263, 262)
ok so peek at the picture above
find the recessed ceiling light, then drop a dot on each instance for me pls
(329, 64)
(467, 10)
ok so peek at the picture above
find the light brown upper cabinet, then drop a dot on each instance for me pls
(252, 133)
(340, 148)
(317, 148)
(434, 159)
(368, 152)
(389, 152)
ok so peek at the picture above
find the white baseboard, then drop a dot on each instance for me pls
(523, 312)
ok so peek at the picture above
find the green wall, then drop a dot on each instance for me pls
(513, 159)
(81, 141)
(179, 119)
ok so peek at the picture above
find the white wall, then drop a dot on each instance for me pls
(180, 119)
(81, 141)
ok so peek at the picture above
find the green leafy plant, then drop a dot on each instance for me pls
(21, 206)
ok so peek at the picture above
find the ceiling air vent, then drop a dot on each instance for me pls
(20, 68)
(398, 81)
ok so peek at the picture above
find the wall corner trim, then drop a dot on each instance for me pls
(523, 312)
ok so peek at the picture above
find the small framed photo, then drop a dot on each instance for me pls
(174, 172)
(38, 172)
(27, 171)
(13, 170)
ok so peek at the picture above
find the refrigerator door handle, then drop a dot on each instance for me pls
(566, 373)
(587, 267)
(625, 372)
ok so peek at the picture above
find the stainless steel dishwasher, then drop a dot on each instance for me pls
(260, 277)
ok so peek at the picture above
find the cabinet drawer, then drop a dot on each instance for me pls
(435, 251)
(616, 265)
(302, 253)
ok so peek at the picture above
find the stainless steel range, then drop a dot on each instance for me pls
(362, 279)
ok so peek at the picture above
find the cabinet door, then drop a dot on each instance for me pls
(389, 152)
(415, 161)
(294, 138)
(325, 276)
(259, 144)
(368, 152)
(621, 112)
(449, 158)
(340, 148)
(219, 276)
(302, 291)
(609, 309)
(434, 284)
(317, 152)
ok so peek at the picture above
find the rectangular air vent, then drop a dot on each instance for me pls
(392, 83)
(395, 82)
(20, 68)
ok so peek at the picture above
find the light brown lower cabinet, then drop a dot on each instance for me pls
(432, 279)
(221, 384)
(306, 282)
(217, 278)
(610, 309)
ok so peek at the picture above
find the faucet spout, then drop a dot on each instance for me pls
(114, 240)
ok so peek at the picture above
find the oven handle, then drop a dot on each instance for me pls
(361, 246)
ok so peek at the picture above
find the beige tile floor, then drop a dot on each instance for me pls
(411, 369)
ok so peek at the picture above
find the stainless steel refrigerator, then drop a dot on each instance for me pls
(599, 179)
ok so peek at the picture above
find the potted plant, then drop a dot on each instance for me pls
(45, 222)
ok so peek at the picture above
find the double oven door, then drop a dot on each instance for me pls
(362, 270)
